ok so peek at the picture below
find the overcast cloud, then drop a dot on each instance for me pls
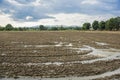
(56, 12)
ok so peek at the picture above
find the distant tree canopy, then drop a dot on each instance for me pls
(113, 24)
(86, 26)
(61, 28)
(9, 27)
(54, 28)
(110, 24)
(42, 27)
(95, 25)
(102, 25)
(2, 28)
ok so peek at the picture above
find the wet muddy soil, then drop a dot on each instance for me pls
(70, 55)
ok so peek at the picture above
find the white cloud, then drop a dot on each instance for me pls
(14, 2)
(5, 19)
(38, 9)
(91, 2)
(59, 19)
(29, 18)
(74, 12)
(77, 18)
(36, 3)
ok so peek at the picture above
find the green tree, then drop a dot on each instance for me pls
(117, 23)
(110, 24)
(102, 25)
(9, 27)
(77, 28)
(118, 18)
(16, 29)
(86, 26)
(42, 27)
(61, 28)
(54, 28)
(2, 28)
(20, 29)
(107, 25)
(83, 28)
(95, 25)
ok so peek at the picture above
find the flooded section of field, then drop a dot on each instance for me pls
(103, 52)
(27, 46)
(57, 44)
(106, 54)
(101, 43)
(113, 57)
(48, 63)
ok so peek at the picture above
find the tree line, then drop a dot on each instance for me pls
(9, 27)
(111, 24)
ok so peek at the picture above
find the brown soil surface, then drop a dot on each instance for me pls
(17, 49)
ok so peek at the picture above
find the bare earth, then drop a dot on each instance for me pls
(59, 54)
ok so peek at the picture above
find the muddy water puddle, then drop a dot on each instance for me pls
(101, 43)
(57, 44)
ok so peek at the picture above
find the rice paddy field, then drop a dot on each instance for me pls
(60, 55)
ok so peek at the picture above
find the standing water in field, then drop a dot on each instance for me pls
(101, 43)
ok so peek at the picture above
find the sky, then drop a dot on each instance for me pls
(56, 12)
